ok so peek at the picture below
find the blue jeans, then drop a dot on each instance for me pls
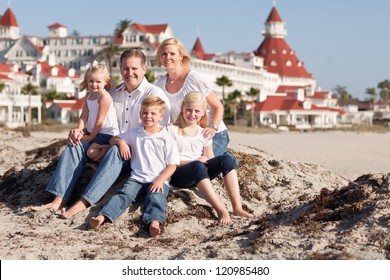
(220, 143)
(154, 205)
(69, 167)
(108, 171)
(190, 174)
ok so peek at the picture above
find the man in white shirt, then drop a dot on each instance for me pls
(127, 98)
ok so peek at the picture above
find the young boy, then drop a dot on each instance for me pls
(153, 159)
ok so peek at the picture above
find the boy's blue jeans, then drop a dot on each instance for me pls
(154, 205)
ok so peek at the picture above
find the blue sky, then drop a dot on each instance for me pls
(343, 43)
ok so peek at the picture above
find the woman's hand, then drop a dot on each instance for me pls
(208, 132)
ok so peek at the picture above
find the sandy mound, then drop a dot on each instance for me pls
(303, 210)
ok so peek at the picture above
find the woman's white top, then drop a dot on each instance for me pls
(193, 82)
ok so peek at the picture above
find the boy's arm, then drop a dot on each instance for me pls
(157, 185)
(124, 149)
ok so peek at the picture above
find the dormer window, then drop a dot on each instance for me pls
(273, 51)
(284, 51)
(288, 63)
(273, 63)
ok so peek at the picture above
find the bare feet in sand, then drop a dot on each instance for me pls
(79, 206)
(56, 204)
(154, 228)
(242, 213)
(224, 218)
(96, 222)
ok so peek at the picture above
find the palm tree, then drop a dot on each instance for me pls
(29, 89)
(2, 86)
(342, 92)
(254, 93)
(150, 77)
(108, 54)
(121, 27)
(223, 82)
(235, 98)
(384, 90)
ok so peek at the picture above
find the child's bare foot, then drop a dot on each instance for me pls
(56, 204)
(224, 218)
(243, 213)
(154, 228)
(79, 206)
(96, 222)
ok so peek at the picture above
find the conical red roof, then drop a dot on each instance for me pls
(8, 19)
(278, 56)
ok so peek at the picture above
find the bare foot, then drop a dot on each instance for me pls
(79, 206)
(96, 222)
(224, 218)
(154, 228)
(243, 213)
(56, 204)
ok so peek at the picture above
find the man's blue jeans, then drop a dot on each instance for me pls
(108, 171)
(154, 205)
(69, 168)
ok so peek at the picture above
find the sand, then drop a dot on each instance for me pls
(303, 210)
(348, 154)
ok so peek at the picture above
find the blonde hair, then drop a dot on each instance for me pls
(182, 51)
(192, 97)
(152, 100)
(97, 68)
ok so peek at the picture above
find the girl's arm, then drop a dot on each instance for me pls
(84, 114)
(104, 105)
(124, 149)
(207, 154)
(157, 185)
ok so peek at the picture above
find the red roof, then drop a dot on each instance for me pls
(288, 89)
(76, 105)
(274, 16)
(153, 28)
(4, 77)
(62, 71)
(199, 52)
(285, 103)
(8, 19)
(56, 25)
(4, 68)
(279, 58)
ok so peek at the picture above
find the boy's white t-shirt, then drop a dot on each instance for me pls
(150, 154)
(190, 148)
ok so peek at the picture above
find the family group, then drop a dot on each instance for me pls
(166, 134)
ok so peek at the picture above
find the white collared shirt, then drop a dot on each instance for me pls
(128, 105)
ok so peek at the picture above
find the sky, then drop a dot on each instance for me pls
(344, 43)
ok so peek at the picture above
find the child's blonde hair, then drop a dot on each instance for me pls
(192, 97)
(97, 68)
(152, 100)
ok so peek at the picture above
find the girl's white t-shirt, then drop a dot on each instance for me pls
(190, 148)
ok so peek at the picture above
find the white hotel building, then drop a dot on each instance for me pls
(288, 93)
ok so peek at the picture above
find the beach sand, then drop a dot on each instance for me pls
(303, 210)
(348, 154)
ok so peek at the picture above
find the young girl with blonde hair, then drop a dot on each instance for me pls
(198, 166)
